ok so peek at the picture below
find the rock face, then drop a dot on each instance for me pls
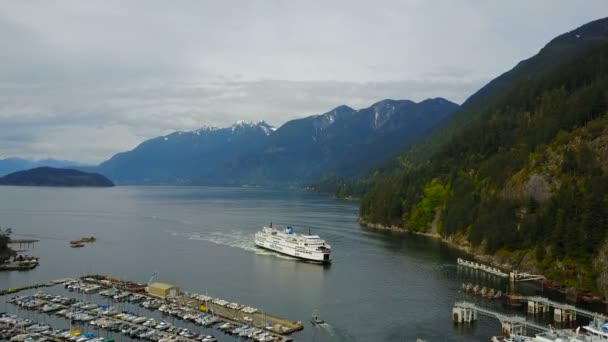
(538, 188)
(48, 176)
(600, 266)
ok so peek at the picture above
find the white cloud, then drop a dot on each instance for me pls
(85, 79)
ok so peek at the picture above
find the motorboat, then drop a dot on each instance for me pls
(316, 319)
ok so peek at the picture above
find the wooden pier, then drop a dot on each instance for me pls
(23, 242)
(512, 275)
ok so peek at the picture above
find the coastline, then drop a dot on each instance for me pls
(459, 244)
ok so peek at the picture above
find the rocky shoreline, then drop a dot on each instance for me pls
(460, 244)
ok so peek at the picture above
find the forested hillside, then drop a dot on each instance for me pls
(522, 170)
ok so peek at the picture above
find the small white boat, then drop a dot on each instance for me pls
(316, 319)
(121, 296)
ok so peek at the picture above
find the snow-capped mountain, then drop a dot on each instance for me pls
(343, 141)
(184, 157)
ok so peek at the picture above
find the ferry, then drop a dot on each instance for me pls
(308, 247)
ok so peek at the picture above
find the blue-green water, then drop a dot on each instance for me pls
(381, 286)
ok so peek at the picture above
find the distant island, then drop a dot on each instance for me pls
(50, 176)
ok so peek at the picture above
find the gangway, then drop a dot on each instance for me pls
(537, 304)
(466, 312)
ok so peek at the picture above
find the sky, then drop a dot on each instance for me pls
(83, 80)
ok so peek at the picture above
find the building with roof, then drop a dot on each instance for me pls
(163, 290)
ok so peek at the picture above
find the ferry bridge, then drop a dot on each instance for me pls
(466, 312)
(561, 312)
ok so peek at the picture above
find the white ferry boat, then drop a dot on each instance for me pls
(308, 247)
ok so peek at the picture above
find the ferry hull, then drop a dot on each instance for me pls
(319, 257)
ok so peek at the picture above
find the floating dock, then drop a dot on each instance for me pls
(14, 290)
(477, 266)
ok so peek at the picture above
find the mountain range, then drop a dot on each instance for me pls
(184, 157)
(343, 141)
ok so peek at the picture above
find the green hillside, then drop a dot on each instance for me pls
(521, 170)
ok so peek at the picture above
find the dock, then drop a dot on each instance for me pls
(27, 243)
(466, 312)
(562, 313)
(14, 290)
(477, 266)
(513, 276)
(280, 326)
(277, 326)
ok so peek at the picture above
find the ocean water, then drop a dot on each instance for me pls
(381, 286)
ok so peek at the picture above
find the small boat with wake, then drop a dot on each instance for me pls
(316, 319)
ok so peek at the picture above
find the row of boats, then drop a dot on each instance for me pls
(147, 302)
(14, 328)
(246, 331)
(108, 318)
(482, 291)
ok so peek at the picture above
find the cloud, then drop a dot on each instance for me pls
(83, 80)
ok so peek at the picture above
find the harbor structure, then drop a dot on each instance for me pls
(184, 305)
(162, 290)
(466, 312)
(513, 275)
(512, 326)
(562, 313)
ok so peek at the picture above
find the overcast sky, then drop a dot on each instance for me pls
(82, 80)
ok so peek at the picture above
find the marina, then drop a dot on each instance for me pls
(227, 310)
(194, 308)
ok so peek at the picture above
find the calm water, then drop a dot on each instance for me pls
(380, 286)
